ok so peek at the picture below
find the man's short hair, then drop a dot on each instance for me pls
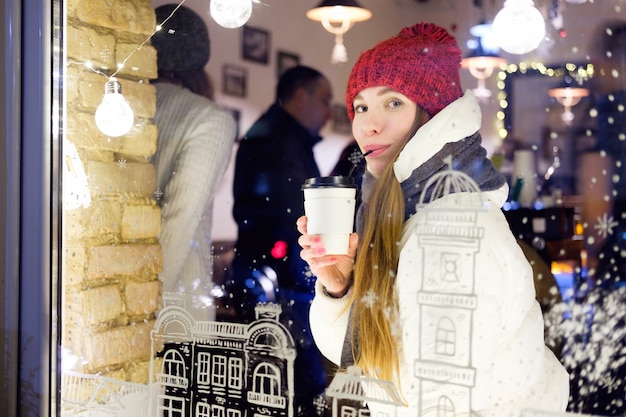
(294, 78)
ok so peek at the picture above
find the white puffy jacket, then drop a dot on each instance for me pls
(472, 331)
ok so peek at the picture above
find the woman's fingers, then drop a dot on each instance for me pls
(333, 271)
(301, 224)
(353, 244)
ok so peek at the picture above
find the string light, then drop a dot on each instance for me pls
(114, 116)
(580, 73)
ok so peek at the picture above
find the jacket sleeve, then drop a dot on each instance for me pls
(515, 370)
(329, 322)
(201, 161)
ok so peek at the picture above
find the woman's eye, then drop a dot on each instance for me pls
(360, 108)
(394, 103)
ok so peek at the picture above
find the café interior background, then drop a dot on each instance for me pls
(569, 26)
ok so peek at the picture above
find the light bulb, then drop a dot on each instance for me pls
(519, 26)
(231, 13)
(340, 54)
(114, 117)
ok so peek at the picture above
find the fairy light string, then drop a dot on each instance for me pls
(121, 65)
(114, 106)
(114, 117)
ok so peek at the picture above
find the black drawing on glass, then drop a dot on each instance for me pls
(234, 80)
(255, 45)
(200, 368)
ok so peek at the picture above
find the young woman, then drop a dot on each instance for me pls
(435, 295)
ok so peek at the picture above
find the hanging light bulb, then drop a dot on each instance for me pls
(231, 13)
(519, 26)
(568, 94)
(114, 117)
(481, 64)
(339, 54)
(337, 17)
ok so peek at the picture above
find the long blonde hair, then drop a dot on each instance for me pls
(374, 301)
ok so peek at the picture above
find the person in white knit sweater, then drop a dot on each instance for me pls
(195, 141)
(435, 295)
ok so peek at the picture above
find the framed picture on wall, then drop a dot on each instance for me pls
(341, 121)
(285, 60)
(234, 80)
(255, 45)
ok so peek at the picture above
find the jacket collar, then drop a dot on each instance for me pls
(460, 119)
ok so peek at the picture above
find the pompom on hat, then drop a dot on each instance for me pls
(183, 43)
(422, 62)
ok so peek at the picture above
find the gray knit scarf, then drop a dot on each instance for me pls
(468, 156)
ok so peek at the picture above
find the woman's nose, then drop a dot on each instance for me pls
(371, 123)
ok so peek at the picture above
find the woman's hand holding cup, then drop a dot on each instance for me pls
(333, 271)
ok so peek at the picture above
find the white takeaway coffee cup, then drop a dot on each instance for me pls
(329, 204)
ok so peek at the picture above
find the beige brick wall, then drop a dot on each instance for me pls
(111, 290)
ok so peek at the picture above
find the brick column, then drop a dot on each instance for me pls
(110, 286)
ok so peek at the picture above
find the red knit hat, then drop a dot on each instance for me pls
(422, 62)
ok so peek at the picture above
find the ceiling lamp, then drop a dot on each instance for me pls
(568, 96)
(481, 64)
(231, 13)
(337, 17)
(519, 26)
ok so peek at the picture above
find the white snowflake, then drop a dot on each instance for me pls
(605, 225)
(308, 273)
(370, 298)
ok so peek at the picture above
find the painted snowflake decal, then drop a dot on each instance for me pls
(355, 157)
(105, 54)
(605, 225)
(158, 194)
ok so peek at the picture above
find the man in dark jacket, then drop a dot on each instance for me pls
(273, 160)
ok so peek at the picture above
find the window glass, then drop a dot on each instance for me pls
(150, 322)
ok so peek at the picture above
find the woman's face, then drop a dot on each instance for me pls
(383, 118)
